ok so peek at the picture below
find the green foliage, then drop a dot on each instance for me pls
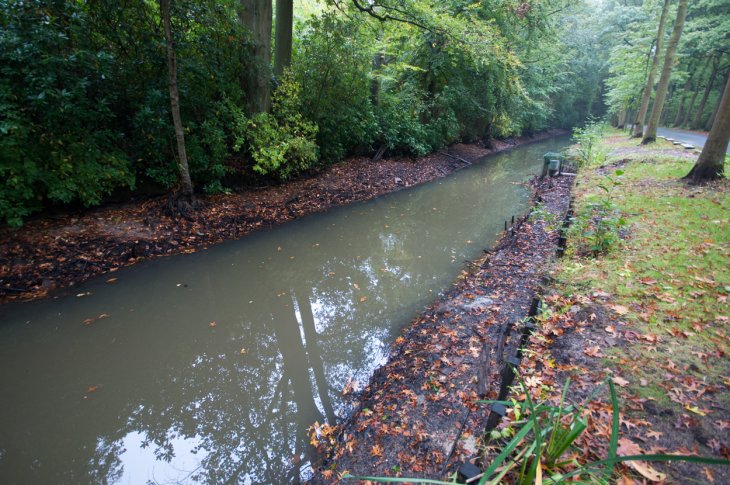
(333, 66)
(587, 138)
(85, 109)
(84, 101)
(596, 230)
(282, 144)
(58, 138)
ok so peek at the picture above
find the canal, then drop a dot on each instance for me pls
(210, 367)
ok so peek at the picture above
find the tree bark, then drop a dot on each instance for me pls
(661, 92)
(710, 165)
(687, 88)
(695, 91)
(712, 118)
(708, 89)
(638, 130)
(256, 16)
(284, 19)
(186, 184)
(690, 108)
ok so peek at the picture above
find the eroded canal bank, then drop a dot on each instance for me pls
(419, 416)
(210, 367)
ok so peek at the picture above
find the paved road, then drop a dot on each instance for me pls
(690, 137)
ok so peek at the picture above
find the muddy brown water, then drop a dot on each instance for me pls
(210, 367)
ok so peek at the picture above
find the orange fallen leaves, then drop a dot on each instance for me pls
(594, 351)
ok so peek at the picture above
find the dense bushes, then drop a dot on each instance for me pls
(85, 110)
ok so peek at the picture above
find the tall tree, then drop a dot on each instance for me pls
(186, 185)
(661, 92)
(686, 90)
(284, 19)
(256, 16)
(708, 89)
(695, 92)
(638, 129)
(711, 163)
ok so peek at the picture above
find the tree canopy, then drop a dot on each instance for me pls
(85, 112)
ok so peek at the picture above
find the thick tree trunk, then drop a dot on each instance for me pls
(186, 184)
(638, 130)
(708, 89)
(256, 16)
(661, 92)
(711, 163)
(284, 19)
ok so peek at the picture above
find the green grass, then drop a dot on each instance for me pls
(671, 270)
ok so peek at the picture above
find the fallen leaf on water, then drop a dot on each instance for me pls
(112, 280)
(357, 287)
(103, 315)
(212, 324)
(88, 321)
(363, 299)
(92, 389)
(243, 351)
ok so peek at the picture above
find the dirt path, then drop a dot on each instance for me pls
(57, 253)
(419, 416)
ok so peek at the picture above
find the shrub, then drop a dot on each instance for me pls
(282, 144)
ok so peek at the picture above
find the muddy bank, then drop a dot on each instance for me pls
(419, 417)
(58, 253)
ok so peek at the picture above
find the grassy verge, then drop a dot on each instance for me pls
(656, 281)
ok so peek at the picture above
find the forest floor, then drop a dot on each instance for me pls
(49, 254)
(650, 313)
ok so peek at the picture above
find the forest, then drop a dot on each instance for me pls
(266, 94)
(385, 285)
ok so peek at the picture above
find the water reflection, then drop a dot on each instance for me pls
(210, 367)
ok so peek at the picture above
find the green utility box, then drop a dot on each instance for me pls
(552, 163)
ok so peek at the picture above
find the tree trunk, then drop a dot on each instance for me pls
(186, 184)
(708, 89)
(638, 130)
(687, 88)
(710, 164)
(284, 19)
(661, 92)
(256, 16)
(712, 119)
(690, 108)
(667, 101)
